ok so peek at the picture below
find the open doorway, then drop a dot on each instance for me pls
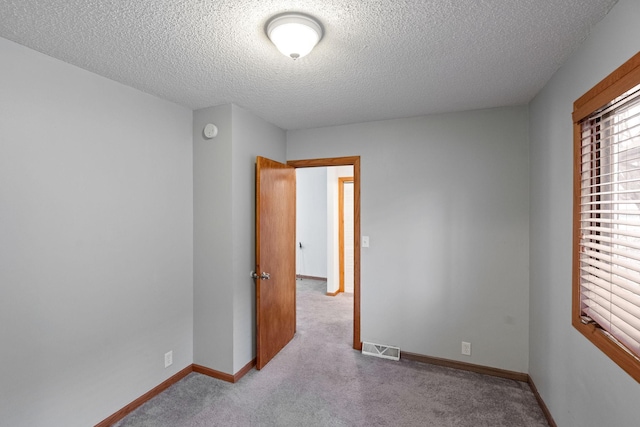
(324, 227)
(312, 228)
(355, 163)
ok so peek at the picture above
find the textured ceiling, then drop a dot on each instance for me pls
(379, 59)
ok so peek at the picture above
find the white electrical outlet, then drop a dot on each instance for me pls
(168, 359)
(466, 348)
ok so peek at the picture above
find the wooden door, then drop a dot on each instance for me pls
(275, 255)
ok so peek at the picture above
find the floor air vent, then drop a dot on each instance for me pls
(379, 350)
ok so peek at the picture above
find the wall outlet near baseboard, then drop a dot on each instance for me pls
(466, 348)
(168, 359)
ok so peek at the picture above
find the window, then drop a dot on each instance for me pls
(606, 212)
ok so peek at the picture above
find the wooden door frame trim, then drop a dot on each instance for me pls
(355, 162)
(341, 181)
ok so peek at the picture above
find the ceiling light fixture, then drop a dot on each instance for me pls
(294, 34)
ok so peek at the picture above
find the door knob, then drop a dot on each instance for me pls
(263, 276)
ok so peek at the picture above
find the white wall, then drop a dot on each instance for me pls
(333, 224)
(311, 221)
(96, 245)
(445, 202)
(579, 384)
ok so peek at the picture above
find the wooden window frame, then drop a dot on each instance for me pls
(623, 79)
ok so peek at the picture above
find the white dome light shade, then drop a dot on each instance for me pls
(294, 35)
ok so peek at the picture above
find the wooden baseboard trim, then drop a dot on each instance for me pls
(213, 373)
(224, 376)
(242, 372)
(333, 294)
(486, 370)
(543, 406)
(117, 416)
(302, 276)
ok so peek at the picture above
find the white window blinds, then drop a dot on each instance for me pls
(610, 219)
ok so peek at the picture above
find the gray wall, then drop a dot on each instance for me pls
(224, 232)
(579, 384)
(445, 202)
(95, 242)
(212, 239)
(311, 221)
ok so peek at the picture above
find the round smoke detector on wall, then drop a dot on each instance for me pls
(210, 131)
